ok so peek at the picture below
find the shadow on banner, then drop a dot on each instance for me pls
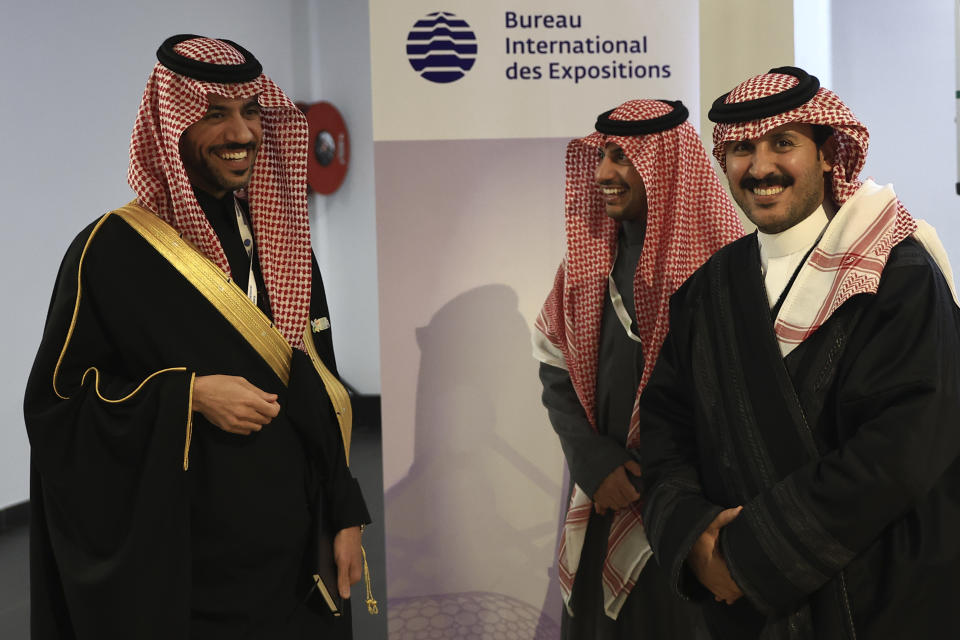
(458, 537)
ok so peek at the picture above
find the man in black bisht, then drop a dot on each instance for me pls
(188, 431)
(800, 430)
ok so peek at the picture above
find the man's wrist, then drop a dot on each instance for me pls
(592, 474)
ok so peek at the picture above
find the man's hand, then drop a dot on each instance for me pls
(349, 559)
(616, 491)
(707, 563)
(233, 404)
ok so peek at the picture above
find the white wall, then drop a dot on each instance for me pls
(739, 39)
(336, 66)
(812, 37)
(894, 66)
(73, 77)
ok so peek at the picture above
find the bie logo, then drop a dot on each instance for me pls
(441, 47)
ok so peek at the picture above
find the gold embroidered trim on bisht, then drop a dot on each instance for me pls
(215, 286)
(335, 389)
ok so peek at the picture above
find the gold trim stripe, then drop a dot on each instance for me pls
(73, 320)
(96, 382)
(96, 372)
(215, 286)
(335, 389)
(189, 436)
(73, 324)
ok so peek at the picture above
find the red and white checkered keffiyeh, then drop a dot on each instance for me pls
(689, 217)
(277, 193)
(854, 250)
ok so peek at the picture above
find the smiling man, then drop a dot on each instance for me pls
(644, 209)
(778, 178)
(800, 439)
(218, 155)
(187, 426)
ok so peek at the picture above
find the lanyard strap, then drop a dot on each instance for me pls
(247, 236)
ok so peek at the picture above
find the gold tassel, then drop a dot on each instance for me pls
(372, 608)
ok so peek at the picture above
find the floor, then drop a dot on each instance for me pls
(14, 584)
(366, 466)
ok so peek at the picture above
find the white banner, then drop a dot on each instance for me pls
(535, 69)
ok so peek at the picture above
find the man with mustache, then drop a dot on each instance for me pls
(644, 209)
(189, 434)
(800, 438)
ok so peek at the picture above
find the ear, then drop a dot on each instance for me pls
(828, 153)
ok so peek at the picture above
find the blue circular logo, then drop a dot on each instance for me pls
(441, 47)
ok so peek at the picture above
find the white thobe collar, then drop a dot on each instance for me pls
(797, 239)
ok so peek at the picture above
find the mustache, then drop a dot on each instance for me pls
(766, 182)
